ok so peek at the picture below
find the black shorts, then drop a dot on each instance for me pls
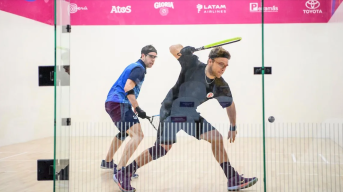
(168, 129)
(122, 115)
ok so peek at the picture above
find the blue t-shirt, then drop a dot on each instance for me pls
(136, 72)
(137, 75)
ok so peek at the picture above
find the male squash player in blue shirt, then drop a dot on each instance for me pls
(121, 98)
(197, 83)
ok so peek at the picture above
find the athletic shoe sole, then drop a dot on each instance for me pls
(243, 186)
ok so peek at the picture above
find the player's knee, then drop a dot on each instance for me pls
(136, 134)
(218, 141)
(167, 147)
(139, 136)
(157, 151)
(214, 138)
(122, 136)
(219, 138)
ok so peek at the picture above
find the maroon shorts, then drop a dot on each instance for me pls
(122, 115)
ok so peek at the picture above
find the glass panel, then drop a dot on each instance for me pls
(303, 45)
(108, 36)
(62, 95)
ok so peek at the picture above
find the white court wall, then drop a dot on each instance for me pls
(336, 70)
(304, 87)
(26, 110)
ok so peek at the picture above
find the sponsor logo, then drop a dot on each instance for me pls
(312, 7)
(209, 95)
(178, 119)
(30, 0)
(73, 8)
(134, 117)
(254, 8)
(163, 7)
(118, 9)
(211, 8)
(186, 104)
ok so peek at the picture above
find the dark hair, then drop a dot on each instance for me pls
(219, 52)
(147, 49)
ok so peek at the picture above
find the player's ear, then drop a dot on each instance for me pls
(209, 61)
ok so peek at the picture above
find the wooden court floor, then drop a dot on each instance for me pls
(292, 164)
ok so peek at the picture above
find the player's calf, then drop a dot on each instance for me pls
(158, 151)
(155, 152)
(107, 165)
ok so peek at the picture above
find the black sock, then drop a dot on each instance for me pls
(132, 168)
(228, 169)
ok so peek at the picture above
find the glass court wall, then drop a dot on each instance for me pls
(62, 96)
(284, 75)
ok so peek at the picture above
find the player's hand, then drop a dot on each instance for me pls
(188, 50)
(141, 113)
(232, 136)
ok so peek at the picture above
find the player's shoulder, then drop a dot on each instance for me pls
(136, 69)
(188, 58)
(137, 64)
(133, 65)
(220, 82)
(221, 86)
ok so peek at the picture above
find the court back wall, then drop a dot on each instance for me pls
(26, 110)
(306, 84)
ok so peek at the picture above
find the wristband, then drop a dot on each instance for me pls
(131, 92)
(232, 128)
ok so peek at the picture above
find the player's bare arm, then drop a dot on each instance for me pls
(131, 97)
(175, 50)
(231, 112)
(133, 101)
(129, 85)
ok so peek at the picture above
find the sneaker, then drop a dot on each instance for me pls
(238, 182)
(107, 165)
(133, 176)
(124, 181)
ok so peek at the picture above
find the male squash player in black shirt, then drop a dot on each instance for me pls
(196, 84)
